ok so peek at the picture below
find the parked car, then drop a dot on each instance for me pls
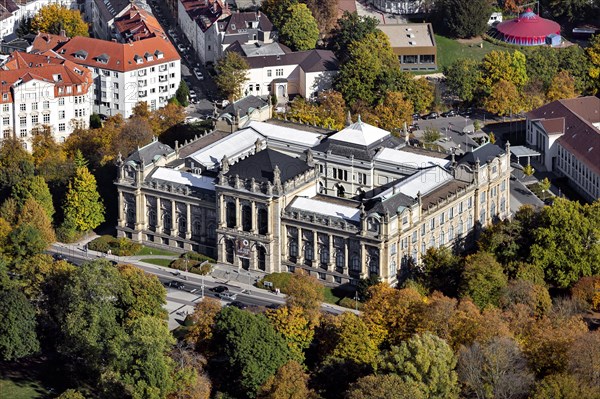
(59, 257)
(431, 115)
(416, 116)
(219, 289)
(193, 97)
(176, 284)
(228, 296)
(239, 305)
(182, 48)
(198, 73)
(449, 113)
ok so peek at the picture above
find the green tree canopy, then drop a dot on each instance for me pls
(425, 360)
(384, 386)
(562, 386)
(183, 93)
(83, 207)
(53, 18)
(483, 279)
(277, 10)
(351, 28)
(441, 271)
(254, 350)
(232, 75)
(34, 187)
(290, 382)
(299, 30)
(16, 164)
(18, 337)
(462, 77)
(463, 18)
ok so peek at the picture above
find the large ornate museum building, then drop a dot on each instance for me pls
(276, 196)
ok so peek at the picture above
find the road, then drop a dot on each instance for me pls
(193, 283)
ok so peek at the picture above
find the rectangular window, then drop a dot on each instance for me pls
(116, 86)
(5, 108)
(503, 185)
(451, 212)
(269, 73)
(23, 132)
(34, 119)
(61, 114)
(61, 127)
(23, 121)
(279, 72)
(46, 118)
(423, 229)
(460, 207)
(34, 106)
(470, 202)
(482, 198)
(23, 107)
(46, 104)
(6, 121)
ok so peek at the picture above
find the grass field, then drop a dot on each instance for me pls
(21, 390)
(155, 251)
(158, 261)
(450, 50)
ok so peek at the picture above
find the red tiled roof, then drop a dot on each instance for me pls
(138, 24)
(25, 67)
(206, 12)
(580, 137)
(119, 56)
(47, 41)
(554, 126)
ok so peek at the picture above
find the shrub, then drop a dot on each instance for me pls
(198, 257)
(120, 247)
(100, 244)
(279, 280)
(350, 303)
(67, 235)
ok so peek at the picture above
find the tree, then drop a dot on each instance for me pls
(534, 296)
(232, 75)
(18, 337)
(528, 170)
(36, 272)
(332, 109)
(277, 10)
(441, 271)
(35, 188)
(201, 332)
(593, 53)
(427, 361)
(135, 133)
(71, 394)
(83, 206)
(95, 121)
(142, 294)
(483, 279)
(16, 164)
(497, 369)
(167, 117)
(462, 77)
(299, 30)
(431, 135)
(325, 13)
(420, 93)
(371, 61)
(544, 185)
(351, 28)
(49, 157)
(34, 214)
(577, 252)
(561, 87)
(290, 382)
(99, 146)
(294, 325)
(393, 112)
(24, 241)
(542, 65)
(583, 358)
(503, 99)
(306, 292)
(463, 18)
(575, 60)
(253, 349)
(53, 18)
(390, 314)
(183, 93)
(562, 386)
(353, 341)
(502, 65)
(384, 386)
(587, 292)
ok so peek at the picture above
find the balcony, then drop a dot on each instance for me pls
(142, 93)
(162, 78)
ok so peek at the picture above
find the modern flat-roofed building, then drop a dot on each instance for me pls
(414, 44)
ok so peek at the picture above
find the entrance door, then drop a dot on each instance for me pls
(280, 91)
(245, 263)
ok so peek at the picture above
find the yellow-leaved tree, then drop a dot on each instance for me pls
(53, 18)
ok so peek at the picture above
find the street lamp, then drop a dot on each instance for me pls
(356, 300)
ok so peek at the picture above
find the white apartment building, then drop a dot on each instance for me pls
(127, 73)
(567, 135)
(276, 70)
(43, 90)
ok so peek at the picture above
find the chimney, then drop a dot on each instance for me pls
(63, 33)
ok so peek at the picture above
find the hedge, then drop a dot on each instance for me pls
(118, 246)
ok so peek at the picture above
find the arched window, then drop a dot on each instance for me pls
(212, 231)
(230, 214)
(460, 228)
(197, 227)
(493, 209)
(442, 237)
(262, 221)
(324, 255)
(309, 251)
(182, 224)
(246, 218)
(470, 222)
(482, 216)
(432, 241)
(502, 205)
(451, 233)
(293, 248)
(355, 262)
(340, 260)
(152, 217)
(167, 221)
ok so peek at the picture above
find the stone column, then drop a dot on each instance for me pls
(221, 212)
(174, 226)
(253, 218)
(330, 260)
(140, 210)
(159, 223)
(188, 214)
(122, 216)
(346, 260)
(315, 243)
(300, 247)
(238, 214)
(363, 261)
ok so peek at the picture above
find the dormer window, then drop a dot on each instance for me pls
(232, 26)
(149, 57)
(103, 58)
(138, 59)
(57, 77)
(80, 54)
(159, 54)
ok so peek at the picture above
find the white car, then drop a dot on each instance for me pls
(228, 296)
(198, 74)
(193, 96)
(181, 48)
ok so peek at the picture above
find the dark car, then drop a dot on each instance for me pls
(176, 284)
(449, 113)
(219, 289)
(416, 116)
(432, 115)
(59, 257)
(238, 304)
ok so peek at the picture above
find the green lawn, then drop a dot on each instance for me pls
(158, 261)
(329, 297)
(450, 50)
(21, 390)
(155, 251)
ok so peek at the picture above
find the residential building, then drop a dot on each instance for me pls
(44, 90)
(136, 24)
(267, 197)
(237, 114)
(101, 14)
(400, 6)
(567, 135)
(276, 70)
(13, 12)
(127, 73)
(414, 44)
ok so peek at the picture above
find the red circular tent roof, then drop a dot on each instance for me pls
(528, 25)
